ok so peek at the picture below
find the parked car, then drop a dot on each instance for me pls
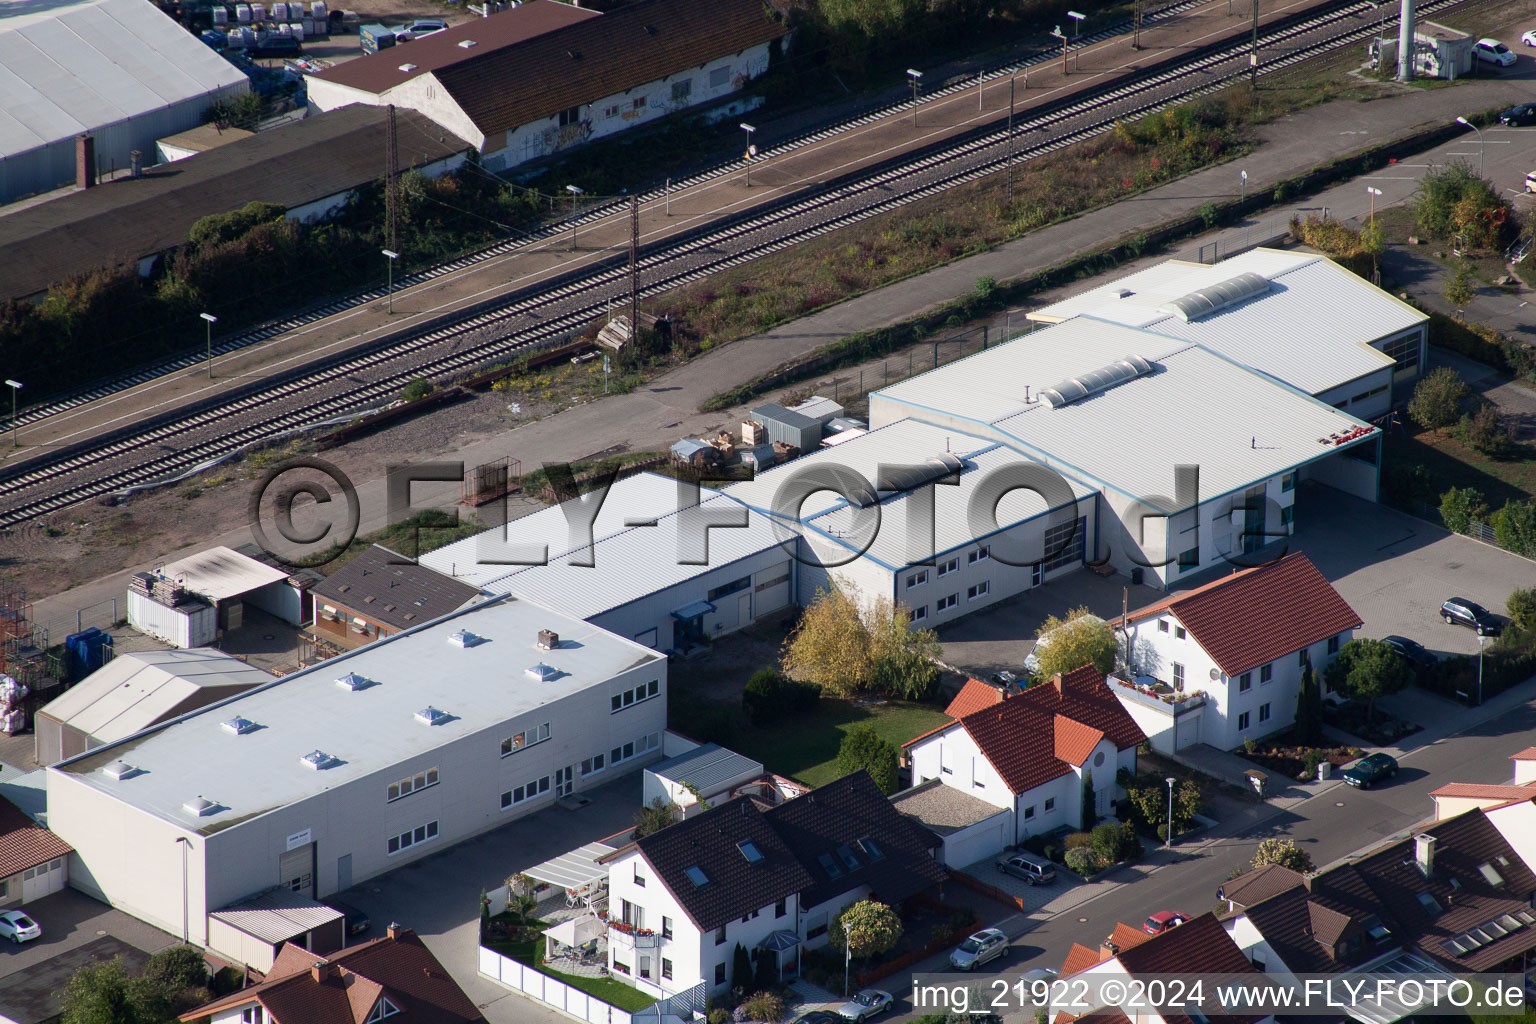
(1369, 770)
(1030, 869)
(1458, 611)
(871, 1002)
(979, 948)
(420, 29)
(1410, 649)
(355, 921)
(1492, 51)
(1164, 920)
(1529, 39)
(18, 927)
(275, 46)
(1027, 980)
(1524, 114)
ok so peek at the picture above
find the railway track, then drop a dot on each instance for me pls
(176, 443)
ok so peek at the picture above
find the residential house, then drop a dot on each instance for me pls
(770, 880)
(1256, 886)
(1455, 797)
(974, 696)
(1453, 898)
(1032, 755)
(379, 593)
(1222, 663)
(1197, 947)
(362, 984)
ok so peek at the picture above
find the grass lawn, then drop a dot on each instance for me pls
(615, 993)
(806, 748)
(1452, 463)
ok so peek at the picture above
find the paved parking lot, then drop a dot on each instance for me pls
(1033, 896)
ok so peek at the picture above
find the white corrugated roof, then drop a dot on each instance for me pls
(277, 915)
(364, 730)
(1312, 329)
(67, 68)
(220, 573)
(133, 691)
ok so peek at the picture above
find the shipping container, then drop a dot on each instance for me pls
(376, 38)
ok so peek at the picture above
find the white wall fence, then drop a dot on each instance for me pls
(521, 978)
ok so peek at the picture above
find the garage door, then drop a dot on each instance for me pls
(978, 842)
(771, 591)
(42, 880)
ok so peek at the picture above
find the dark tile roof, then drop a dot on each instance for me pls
(397, 967)
(123, 220)
(1260, 884)
(1256, 615)
(386, 587)
(1021, 737)
(1323, 926)
(24, 843)
(792, 838)
(376, 72)
(643, 42)
(829, 822)
(1198, 946)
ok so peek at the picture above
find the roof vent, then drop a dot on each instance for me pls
(353, 681)
(542, 672)
(407, 68)
(1216, 297)
(318, 760)
(119, 770)
(199, 807)
(1094, 381)
(548, 640)
(430, 715)
(465, 44)
(239, 725)
(464, 638)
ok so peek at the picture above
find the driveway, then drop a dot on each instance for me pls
(1032, 896)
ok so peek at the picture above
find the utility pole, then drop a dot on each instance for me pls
(392, 160)
(1136, 15)
(1253, 57)
(1059, 34)
(1010, 136)
(634, 269)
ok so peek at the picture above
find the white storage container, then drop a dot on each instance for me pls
(220, 16)
(296, 29)
(258, 13)
(243, 13)
(280, 12)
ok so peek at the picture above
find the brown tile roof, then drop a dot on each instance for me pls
(643, 42)
(396, 966)
(386, 587)
(1258, 885)
(1019, 736)
(118, 221)
(1257, 615)
(1104, 1017)
(973, 696)
(24, 843)
(1479, 791)
(377, 72)
(1198, 946)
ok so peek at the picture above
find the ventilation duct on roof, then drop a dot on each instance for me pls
(407, 68)
(238, 725)
(1214, 298)
(465, 44)
(1091, 383)
(199, 807)
(119, 770)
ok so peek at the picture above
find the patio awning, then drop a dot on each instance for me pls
(779, 941)
(1368, 1009)
(574, 869)
(578, 931)
(696, 610)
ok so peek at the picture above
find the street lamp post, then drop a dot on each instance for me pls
(1059, 34)
(1480, 147)
(1480, 639)
(185, 845)
(15, 386)
(1077, 30)
(1169, 844)
(209, 320)
(391, 289)
(575, 194)
(847, 960)
(1011, 79)
(1245, 185)
(917, 78)
(1374, 193)
(751, 150)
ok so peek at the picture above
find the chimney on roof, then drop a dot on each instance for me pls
(85, 161)
(548, 640)
(397, 931)
(1107, 949)
(1424, 853)
(135, 164)
(1056, 680)
(322, 970)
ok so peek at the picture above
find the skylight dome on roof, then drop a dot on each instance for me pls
(199, 807)
(317, 760)
(542, 672)
(463, 638)
(119, 770)
(1216, 297)
(238, 725)
(1094, 381)
(431, 716)
(353, 681)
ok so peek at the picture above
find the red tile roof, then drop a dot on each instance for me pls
(397, 967)
(973, 696)
(1075, 741)
(1477, 791)
(1127, 936)
(1019, 736)
(1257, 615)
(24, 843)
(1079, 958)
(1528, 754)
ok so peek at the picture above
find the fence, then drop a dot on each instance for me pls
(850, 387)
(1475, 529)
(901, 963)
(990, 891)
(519, 977)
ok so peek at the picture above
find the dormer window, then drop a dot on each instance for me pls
(849, 859)
(871, 849)
(1377, 931)
(1430, 904)
(829, 866)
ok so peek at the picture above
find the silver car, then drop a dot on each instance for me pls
(871, 1002)
(1031, 870)
(979, 948)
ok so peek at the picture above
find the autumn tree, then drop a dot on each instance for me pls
(654, 817)
(1082, 638)
(866, 928)
(844, 646)
(1459, 291)
(1284, 853)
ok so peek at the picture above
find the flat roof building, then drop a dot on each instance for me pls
(357, 765)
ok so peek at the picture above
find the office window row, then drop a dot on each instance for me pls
(634, 695)
(527, 738)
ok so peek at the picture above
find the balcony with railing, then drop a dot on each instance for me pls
(1160, 696)
(627, 936)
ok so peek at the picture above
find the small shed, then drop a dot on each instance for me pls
(758, 456)
(822, 410)
(690, 451)
(788, 427)
(173, 602)
(706, 772)
(197, 140)
(251, 932)
(838, 424)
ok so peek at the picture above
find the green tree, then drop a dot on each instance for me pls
(864, 748)
(1284, 853)
(1459, 291)
(741, 968)
(1373, 242)
(1521, 606)
(868, 928)
(654, 817)
(1459, 506)
(1368, 670)
(1483, 428)
(176, 968)
(1082, 638)
(1437, 399)
(1115, 842)
(770, 696)
(1309, 709)
(103, 993)
(1090, 803)
(905, 658)
(1514, 528)
(1455, 204)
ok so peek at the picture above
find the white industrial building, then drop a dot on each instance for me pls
(1125, 411)
(120, 71)
(1296, 316)
(358, 765)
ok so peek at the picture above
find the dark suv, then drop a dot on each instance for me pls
(1458, 611)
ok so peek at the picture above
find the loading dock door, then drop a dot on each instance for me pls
(772, 589)
(296, 870)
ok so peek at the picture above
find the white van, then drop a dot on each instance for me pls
(1530, 182)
